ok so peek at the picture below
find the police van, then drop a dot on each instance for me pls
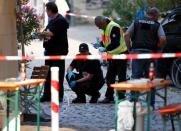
(172, 27)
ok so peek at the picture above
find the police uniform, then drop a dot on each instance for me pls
(145, 35)
(145, 38)
(88, 78)
(115, 44)
(90, 87)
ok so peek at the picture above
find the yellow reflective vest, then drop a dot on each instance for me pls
(106, 39)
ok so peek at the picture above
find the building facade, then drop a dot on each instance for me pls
(8, 45)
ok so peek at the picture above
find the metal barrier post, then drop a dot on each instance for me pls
(55, 98)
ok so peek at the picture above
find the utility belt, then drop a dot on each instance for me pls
(144, 50)
(120, 50)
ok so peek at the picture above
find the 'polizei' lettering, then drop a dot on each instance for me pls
(147, 22)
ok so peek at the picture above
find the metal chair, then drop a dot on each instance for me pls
(28, 93)
(172, 111)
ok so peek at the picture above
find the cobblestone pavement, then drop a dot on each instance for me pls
(88, 117)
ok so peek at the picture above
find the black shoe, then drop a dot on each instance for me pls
(107, 100)
(45, 99)
(33, 118)
(94, 98)
(60, 99)
(44, 120)
(79, 100)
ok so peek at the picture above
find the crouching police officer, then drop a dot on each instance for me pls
(89, 78)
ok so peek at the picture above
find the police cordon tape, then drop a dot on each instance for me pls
(81, 16)
(93, 57)
(87, 16)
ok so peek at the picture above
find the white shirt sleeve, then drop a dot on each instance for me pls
(131, 29)
(161, 31)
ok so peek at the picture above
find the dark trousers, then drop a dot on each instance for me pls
(84, 88)
(115, 68)
(140, 69)
(47, 87)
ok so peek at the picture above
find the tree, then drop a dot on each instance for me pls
(126, 9)
(165, 5)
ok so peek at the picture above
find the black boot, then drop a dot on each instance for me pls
(45, 99)
(94, 98)
(107, 100)
(79, 99)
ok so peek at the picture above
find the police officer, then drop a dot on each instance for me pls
(89, 78)
(147, 36)
(113, 42)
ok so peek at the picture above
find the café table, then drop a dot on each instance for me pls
(13, 86)
(141, 85)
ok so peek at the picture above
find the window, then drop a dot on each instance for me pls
(173, 24)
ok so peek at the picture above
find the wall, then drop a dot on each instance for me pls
(38, 5)
(8, 44)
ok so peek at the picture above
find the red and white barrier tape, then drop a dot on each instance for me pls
(92, 57)
(81, 16)
(87, 16)
(55, 98)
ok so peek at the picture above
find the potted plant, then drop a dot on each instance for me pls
(27, 23)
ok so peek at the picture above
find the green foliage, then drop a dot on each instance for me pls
(164, 5)
(28, 21)
(126, 9)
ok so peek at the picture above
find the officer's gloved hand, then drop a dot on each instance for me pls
(70, 75)
(73, 84)
(102, 49)
(34, 35)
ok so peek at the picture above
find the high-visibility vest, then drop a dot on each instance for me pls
(106, 39)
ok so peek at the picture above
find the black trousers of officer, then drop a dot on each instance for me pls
(47, 87)
(89, 88)
(115, 68)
